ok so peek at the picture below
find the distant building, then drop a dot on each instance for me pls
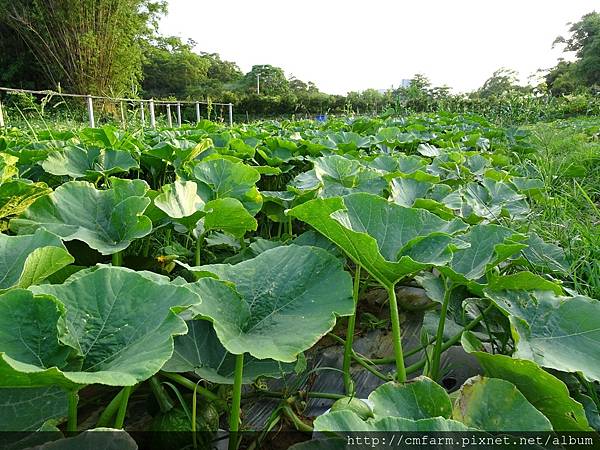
(403, 84)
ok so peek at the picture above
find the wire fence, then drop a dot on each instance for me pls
(173, 108)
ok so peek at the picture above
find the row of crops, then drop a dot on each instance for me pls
(190, 271)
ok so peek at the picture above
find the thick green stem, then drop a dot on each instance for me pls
(326, 395)
(370, 368)
(434, 370)
(194, 416)
(397, 335)
(111, 409)
(164, 402)
(120, 419)
(117, 259)
(363, 362)
(72, 411)
(298, 423)
(146, 248)
(453, 340)
(201, 391)
(348, 384)
(272, 394)
(199, 243)
(391, 359)
(236, 401)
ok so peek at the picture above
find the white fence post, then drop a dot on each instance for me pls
(142, 115)
(152, 116)
(90, 108)
(126, 102)
(1, 116)
(122, 113)
(169, 118)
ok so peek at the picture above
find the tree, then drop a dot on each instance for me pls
(584, 42)
(171, 68)
(87, 46)
(417, 95)
(272, 80)
(502, 81)
(297, 85)
(224, 72)
(419, 82)
(563, 79)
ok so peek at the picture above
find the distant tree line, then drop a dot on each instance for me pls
(109, 47)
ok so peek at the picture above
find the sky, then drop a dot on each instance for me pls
(354, 45)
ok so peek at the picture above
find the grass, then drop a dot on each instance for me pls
(567, 158)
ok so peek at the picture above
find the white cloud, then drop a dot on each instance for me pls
(355, 45)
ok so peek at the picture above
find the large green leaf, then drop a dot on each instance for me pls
(282, 289)
(395, 137)
(489, 201)
(200, 351)
(344, 421)
(398, 163)
(486, 247)
(29, 259)
(388, 240)
(179, 199)
(544, 256)
(340, 176)
(17, 195)
(405, 191)
(24, 409)
(241, 148)
(558, 332)
(591, 410)
(492, 404)
(184, 155)
(98, 438)
(420, 398)
(181, 202)
(228, 214)
(275, 204)
(110, 136)
(278, 150)
(29, 328)
(348, 141)
(120, 322)
(8, 168)
(544, 391)
(525, 281)
(221, 178)
(91, 162)
(107, 221)
(178, 151)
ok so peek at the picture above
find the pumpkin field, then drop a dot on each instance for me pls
(185, 283)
